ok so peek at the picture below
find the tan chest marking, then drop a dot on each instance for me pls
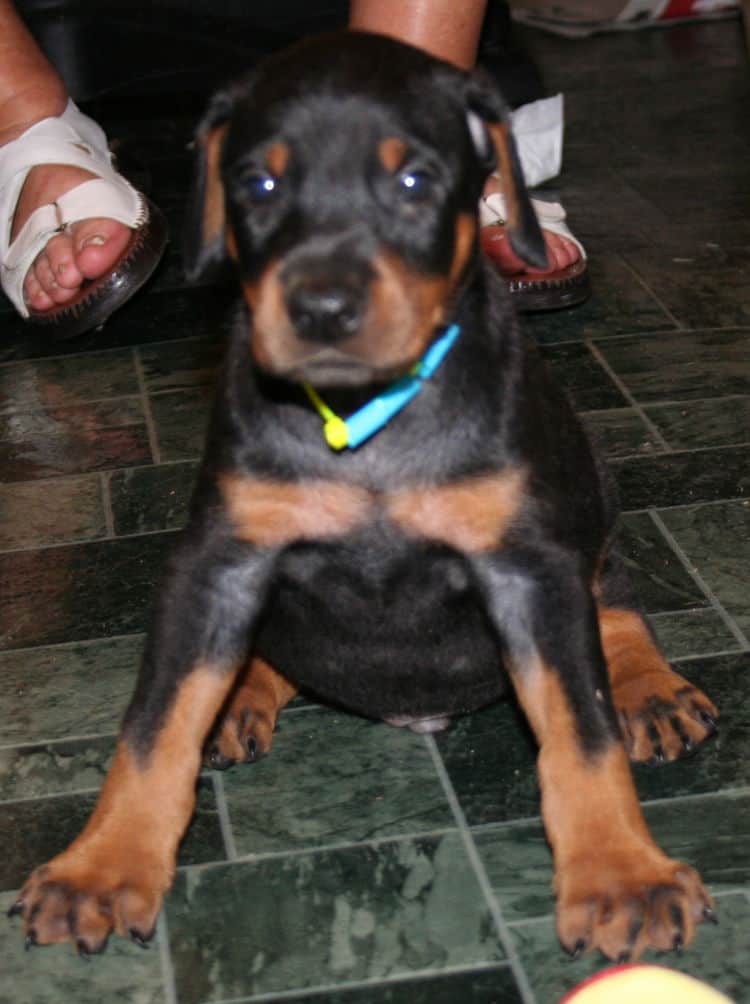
(471, 515)
(274, 513)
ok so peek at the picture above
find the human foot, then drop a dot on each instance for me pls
(60, 262)
(84, 250)
(563, 283)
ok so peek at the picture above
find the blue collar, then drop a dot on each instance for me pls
(370, 418)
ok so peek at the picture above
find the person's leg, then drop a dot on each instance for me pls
(443, 28)
(31, 90)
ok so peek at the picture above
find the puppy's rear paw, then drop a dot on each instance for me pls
(241, 736)
(662, 716)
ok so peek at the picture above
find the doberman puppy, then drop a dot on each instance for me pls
(452, 538)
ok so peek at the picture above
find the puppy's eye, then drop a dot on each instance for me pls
(416, 185)
(260, 188)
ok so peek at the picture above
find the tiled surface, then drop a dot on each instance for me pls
(360, 864)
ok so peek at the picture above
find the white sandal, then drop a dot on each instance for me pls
(76, 140)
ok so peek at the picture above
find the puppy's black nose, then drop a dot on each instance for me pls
(324, 311)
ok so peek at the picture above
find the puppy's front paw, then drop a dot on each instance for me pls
(83, 899)
(623, 910)
(662, 716)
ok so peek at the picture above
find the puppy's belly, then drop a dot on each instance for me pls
(391, 635)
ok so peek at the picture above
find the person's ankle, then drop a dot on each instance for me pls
(27, 107)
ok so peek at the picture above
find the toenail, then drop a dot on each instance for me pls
(95, 240)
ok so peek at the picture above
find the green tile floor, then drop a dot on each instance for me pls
(359, 864)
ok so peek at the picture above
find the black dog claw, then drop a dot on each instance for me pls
(578, 949)
(14, 910)
(142, 940)
(677, 944)
(709, 915)
(252, 749)
(30, 940)
(217, 760)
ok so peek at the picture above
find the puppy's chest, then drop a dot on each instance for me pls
(470, 514)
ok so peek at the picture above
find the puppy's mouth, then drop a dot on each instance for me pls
(330, 367)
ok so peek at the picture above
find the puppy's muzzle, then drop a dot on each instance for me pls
(327, 303)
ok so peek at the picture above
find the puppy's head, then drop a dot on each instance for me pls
(343, 177)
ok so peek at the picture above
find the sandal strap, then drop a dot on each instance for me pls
(71, 139)
(550, 215)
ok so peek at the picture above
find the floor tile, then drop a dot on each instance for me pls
(66, 381)
(54, 768)
(327, 918)
(180, 418)
(333, 778)
(586, 382)
(96, 436)
(703, 284)
(694, 632)
(718, 955)
(67, 690)
(716, 541)
(114, 583)
(696, 424)
(620, 303)
(490, 758)
(620, 432)
(191, 362)
(150, 317)
(147, 499)
(495, 985)
(58, 511)
(683, 478)
(658, 577)
(53, 974)
(681, 366)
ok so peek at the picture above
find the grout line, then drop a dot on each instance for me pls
(672, 402)
(392, 979)
(113, 350)
(527, 994)
(296, 852)
(639, 278)
(70, 644)
(106, 495)
(721, 653)
(625, 391)
(30, 743)
(733, 500)
(696, 576)
(147, 413)
(225, 822)
(81, 542)
(165, 957)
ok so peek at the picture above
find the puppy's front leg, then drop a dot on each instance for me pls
(114, 875)
(616, 889)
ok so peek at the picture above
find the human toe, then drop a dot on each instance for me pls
(98, 243)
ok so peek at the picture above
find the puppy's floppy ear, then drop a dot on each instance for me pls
(488, 121)
(205, 229)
